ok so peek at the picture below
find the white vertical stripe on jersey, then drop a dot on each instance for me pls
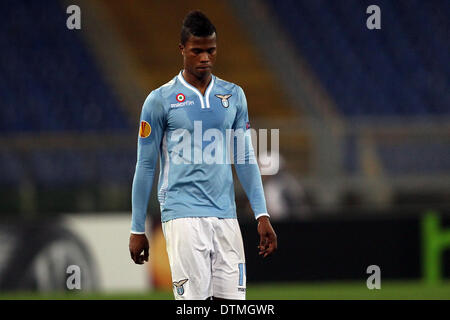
(165, 182)
(211, 84)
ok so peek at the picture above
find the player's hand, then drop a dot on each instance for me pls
(138, 244)
(267, 236)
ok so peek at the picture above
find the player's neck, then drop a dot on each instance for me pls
(199, 83)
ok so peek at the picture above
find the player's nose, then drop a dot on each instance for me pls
(204, 57)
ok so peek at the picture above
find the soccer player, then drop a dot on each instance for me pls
(195, 189)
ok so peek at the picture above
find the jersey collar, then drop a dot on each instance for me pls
(204, 100)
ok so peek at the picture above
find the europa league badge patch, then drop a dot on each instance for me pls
(144, 129)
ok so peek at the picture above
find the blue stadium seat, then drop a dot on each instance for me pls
(401, 69)
(48, 79)
(63, 168)
(413, 159)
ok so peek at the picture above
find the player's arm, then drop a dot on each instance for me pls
(250, 177)
(151, 128)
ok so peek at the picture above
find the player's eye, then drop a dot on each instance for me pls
(212, 50)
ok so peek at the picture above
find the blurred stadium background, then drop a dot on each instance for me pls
(364, 120)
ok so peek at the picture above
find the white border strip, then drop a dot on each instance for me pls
(211, 84)
(187, 85)
(200, 96)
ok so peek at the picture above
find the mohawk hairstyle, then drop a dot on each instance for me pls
(196, 23)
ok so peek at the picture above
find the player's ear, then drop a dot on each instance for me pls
(181, 47)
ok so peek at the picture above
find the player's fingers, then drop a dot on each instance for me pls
(267, 252)
(263, 241)
(262, 244)
(261, 250)
(140, 259)
(270, 249)
(136, 256)
(271, 246)
(146, 254)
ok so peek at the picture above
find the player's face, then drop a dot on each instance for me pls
(199, 54)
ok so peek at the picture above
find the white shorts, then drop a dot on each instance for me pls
(206, 257)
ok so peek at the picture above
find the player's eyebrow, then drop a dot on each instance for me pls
(197, 49)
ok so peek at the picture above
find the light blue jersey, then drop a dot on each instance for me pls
(189, 133)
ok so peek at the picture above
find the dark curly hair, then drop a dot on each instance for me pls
(196, 23)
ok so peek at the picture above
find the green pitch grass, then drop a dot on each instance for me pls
(412, 290)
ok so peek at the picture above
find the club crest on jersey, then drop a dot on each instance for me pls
(224, 99)
(180, 97)
(179, 286)
(144, 129)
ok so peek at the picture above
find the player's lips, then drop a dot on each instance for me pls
(204, 67)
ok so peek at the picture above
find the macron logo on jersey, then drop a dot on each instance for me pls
(182, 102)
